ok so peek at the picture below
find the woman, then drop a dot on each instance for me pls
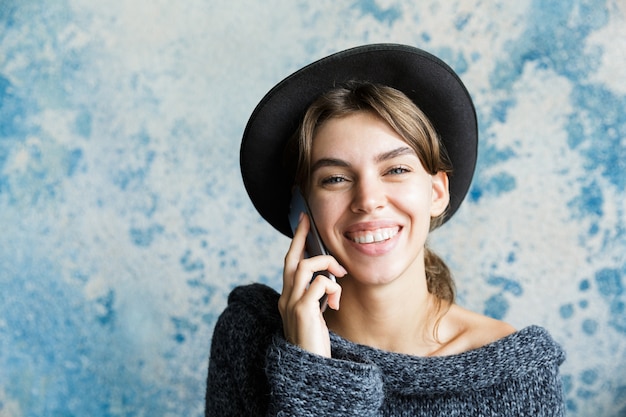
(381, 162)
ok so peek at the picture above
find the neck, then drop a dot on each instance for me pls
(399, 316)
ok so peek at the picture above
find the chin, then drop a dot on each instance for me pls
(375, 274)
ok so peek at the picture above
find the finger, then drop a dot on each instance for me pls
(295, 253)
(296, 248)
(308, 267)
(321, 286)
(333, 296)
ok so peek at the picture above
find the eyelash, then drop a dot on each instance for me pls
(333, 180)
(398, 170)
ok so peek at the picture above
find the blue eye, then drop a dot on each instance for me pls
(397, 171)
(333, 180)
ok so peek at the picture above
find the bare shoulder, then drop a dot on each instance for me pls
(462, 330)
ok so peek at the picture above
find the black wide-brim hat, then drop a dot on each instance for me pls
(432, 85)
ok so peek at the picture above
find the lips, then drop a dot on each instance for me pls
(373, 236)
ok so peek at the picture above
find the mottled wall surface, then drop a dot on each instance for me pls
(124, 222)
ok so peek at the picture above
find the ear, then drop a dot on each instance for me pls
(440, 194)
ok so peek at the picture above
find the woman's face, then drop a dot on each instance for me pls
(371, 199)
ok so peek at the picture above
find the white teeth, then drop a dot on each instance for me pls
(375, 236)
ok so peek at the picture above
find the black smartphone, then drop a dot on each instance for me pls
(314, 244)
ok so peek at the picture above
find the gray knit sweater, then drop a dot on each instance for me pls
(253, 371)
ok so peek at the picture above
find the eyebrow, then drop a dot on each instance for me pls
(403, 150)
(385, 156)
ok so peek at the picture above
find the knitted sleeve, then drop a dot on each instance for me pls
(305, 384)
(236, 382)
(252, 369)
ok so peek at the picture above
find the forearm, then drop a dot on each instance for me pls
(306, 384)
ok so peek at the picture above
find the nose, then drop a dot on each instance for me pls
(369, 196)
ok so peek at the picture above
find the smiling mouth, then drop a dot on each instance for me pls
(373, 236)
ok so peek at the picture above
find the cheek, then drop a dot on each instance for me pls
(326, 214)
(414, 192)
(416, 205)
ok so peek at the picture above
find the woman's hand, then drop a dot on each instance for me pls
(299, 305)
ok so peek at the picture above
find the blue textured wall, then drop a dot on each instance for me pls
(124, 222)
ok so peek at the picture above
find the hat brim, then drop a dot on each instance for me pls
(432, 85)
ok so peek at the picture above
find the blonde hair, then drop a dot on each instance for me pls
(408, 121)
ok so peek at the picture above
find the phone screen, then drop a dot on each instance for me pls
(314, 244)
